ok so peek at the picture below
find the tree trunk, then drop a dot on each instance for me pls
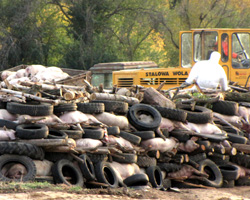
(153, 97)
(236, 96)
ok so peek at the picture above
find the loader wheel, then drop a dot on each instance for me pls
(226, 107)
(130, 137)
(42, 109)
(93, 133)
(173, 114)
(136, 180)
(134, 117)
(91, 108)
(8, 124)
(199, 115)
(20, 148)
(113, 130)
(155, 176)
(106, 174)
(117, 107)
(57, 134)
(144, 135)
(125, 158)
(65, 107)
(145, 161)
(215, 178)
(229, 172)
(32, 131)
(87, 168)
(7, 160)
(65, 168)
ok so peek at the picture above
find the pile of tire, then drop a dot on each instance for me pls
(92, 169)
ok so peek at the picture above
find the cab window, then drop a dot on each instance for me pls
(204, 44)
(224, 47)
(186, 50)
(240, 50)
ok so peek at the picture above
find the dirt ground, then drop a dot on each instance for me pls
(236, 193)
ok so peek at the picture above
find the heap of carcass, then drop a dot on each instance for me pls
(90, 137)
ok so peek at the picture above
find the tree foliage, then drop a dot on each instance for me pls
(80, 33)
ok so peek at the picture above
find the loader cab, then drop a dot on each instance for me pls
(233, 44)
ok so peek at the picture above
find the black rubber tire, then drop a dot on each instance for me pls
(167, 183)
(245, 104)
(8, 124)
(32, 131)
(144, 135)
(3, 105)
(237, 138)
(198, 157)
(130, 137)
(20, 148)
(215, 178)
(146, 161)
(154, 176)
(91, 108)
(118, 107)
(95, 158)
(228, 183)
(57, 134)
(125, 158)
(137, 109)
(169, 167)
(43, 109)
(106, 174)
(241, 159)
(171, 113)
(74, 134)
(25, 161)
(199, 115)
(244, 181)
(113, 130)
(55, 156)
(64, 168)
(93, 133)
(87, 168)
(229, 172)
(136, 180)
(64, 107)
(225, 107)
(181, 135)
(219, 161)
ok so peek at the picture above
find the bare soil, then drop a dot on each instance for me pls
(236, 193)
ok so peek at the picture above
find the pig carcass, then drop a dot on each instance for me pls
(188, 146)
(120, 142)
(125, 170)
(21, 73)
(14, 171)
(22, 119)
(32, 70)
(244, 113)
(113, 120)
(234, 120)
(88, 143)
(159, 144)
(15, 82)
(43, 168)
(7, 134)
(50, 74)
(5, 74)
(73, 117)
(185, 172)
(4, 114)
(207, 128)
